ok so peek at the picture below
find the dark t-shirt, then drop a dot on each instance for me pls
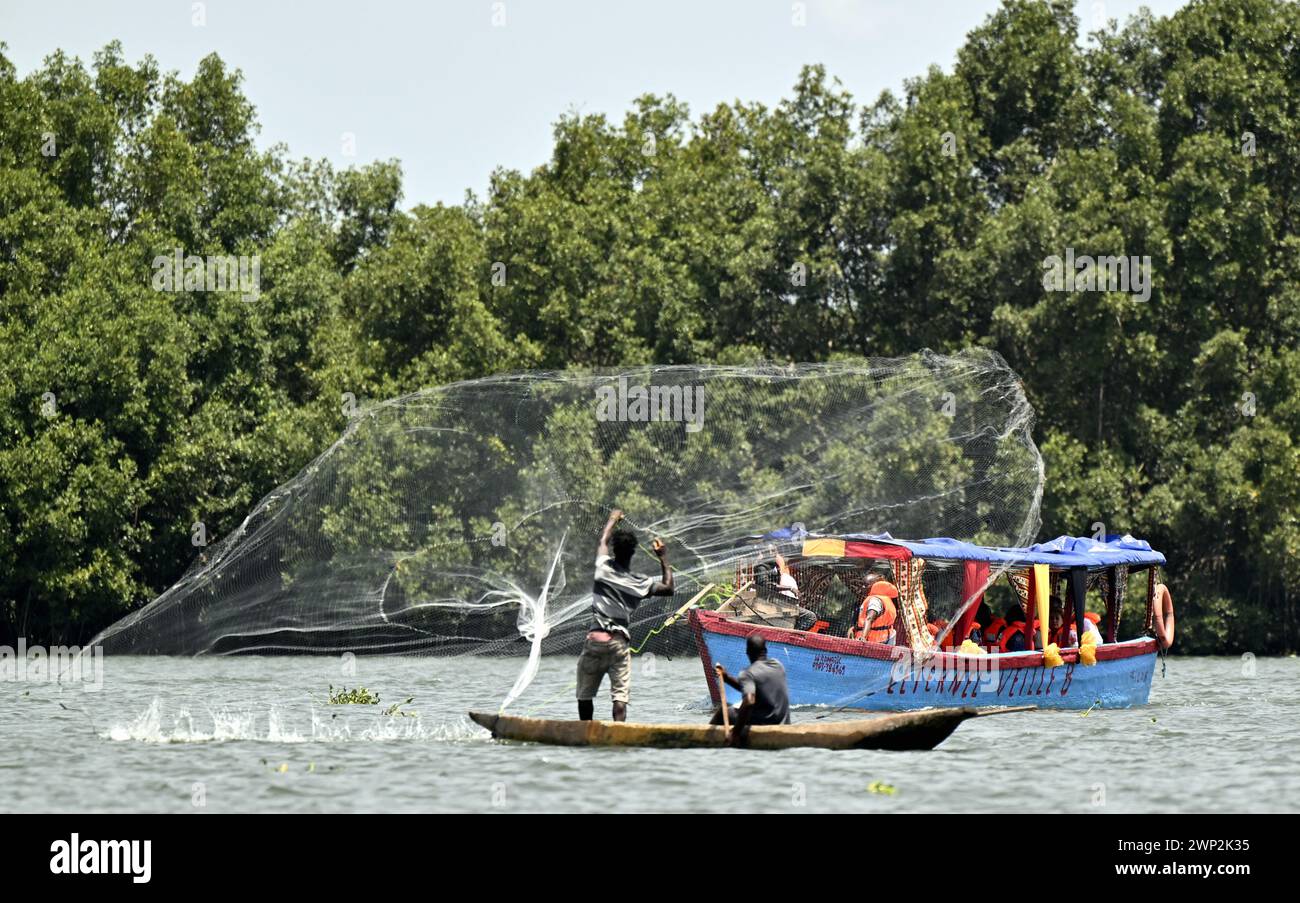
(765, 678)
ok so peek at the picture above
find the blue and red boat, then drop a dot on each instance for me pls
(937, 658)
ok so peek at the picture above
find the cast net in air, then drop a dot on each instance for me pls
(464, 518)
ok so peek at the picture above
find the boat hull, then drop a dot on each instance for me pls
(906, 731)
(833, 671)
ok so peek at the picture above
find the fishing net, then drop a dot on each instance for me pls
(465, 518)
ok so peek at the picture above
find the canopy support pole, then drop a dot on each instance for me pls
(1078, 590)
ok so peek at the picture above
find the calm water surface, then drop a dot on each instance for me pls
(255, 734)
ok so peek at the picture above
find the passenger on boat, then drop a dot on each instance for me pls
(1059, 632)
(1013, 634)
(764, 694)
(983, 622)
(615, 594)
(1065, 635)
(993, 629)
(952, 641)
(1091, 620)
(787, 589)
(847, 618)
(786, 585)
(877, 615)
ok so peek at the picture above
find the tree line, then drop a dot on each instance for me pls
(140, 415)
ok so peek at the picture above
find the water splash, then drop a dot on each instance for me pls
(276, 725)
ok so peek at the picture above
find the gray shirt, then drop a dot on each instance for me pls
(765, 678)
(615, 594)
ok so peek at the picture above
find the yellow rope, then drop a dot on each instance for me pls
(716, 594)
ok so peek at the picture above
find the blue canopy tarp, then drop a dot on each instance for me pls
(1062, 552)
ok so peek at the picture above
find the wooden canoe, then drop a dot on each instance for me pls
(924, 729)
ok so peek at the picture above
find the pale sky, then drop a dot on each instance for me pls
(451, 95)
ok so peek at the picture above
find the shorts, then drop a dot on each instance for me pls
(614, 658)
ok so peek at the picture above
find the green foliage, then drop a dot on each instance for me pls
(357, 696)
(812, 228)
(362, 696)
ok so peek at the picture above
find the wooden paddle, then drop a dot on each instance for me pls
(690, 603)
(722, 695)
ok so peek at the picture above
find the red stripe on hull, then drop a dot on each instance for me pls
(707, 621)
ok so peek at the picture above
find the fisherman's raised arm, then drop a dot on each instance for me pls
(615, 516)
(781, 566)
(664, 587)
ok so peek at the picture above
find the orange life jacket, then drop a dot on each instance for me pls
(882, 626)
(1008, 632)
(1015, 627)
(993, 635)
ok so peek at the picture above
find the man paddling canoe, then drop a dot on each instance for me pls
(615, 594)
(765, 698)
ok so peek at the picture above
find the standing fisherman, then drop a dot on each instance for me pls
(615, 594)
